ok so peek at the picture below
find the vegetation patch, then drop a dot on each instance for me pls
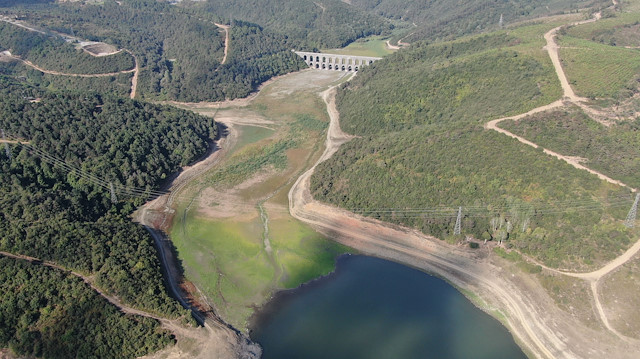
(614, 151)
(227, 261)
(617, 294)
(597, 70)
(51, 314)
(422, 153)
(58, 208)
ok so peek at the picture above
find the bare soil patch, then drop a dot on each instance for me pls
(100, 49)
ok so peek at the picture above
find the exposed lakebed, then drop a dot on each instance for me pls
(373, 308)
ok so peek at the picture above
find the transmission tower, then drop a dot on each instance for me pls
(631, 217)
(457, 229)
(6, 145)
(501, 23)
(114, 199)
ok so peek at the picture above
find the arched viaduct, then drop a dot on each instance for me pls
(335, 62)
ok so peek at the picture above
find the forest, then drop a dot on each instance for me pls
(179, 49)
(57, 206)
(311, 24)
(55, 54)
(422, 152)
(47, 313)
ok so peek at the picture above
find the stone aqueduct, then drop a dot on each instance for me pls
(335, 62)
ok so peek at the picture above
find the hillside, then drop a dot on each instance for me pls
(422, 152)
(446, 19)
(312, 24)
(179, 50)
(58, 207)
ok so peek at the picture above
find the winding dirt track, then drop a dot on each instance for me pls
(50, 72)
(89, 281)
(595, 276)
(527, 319)
(226, 41)
(462, 267)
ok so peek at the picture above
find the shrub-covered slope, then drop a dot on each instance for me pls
(422, 153)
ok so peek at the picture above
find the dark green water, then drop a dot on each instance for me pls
(371, 308)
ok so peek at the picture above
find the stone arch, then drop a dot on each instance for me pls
(349, 67)
(330, 67)
(343, 68)
(356, 68)
(324, 66)
(317, 66)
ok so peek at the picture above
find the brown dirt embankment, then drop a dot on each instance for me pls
(537, 323)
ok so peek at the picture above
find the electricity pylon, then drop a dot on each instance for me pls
(631, 217)
(457, 229)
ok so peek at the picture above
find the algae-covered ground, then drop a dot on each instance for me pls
(236, 240)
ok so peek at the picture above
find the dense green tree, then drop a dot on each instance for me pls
(47, 313)
(63, 212)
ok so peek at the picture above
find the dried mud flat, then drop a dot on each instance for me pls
(216, 339)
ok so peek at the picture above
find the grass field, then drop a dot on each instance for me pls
(374, 46)
(599, 71)
(621, 30)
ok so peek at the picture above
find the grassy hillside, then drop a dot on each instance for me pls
(447, 19)
(615, 151)
(422, 152)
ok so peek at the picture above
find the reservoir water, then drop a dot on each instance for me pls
(371, 308)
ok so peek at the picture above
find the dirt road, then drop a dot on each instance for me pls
(530, 314)
(89, 281)
(134, 79)
(50, 72)
(462, 267)
(226, 41)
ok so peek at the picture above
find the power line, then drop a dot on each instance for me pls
(436, 212)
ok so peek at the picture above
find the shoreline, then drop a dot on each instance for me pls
(531, 316)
